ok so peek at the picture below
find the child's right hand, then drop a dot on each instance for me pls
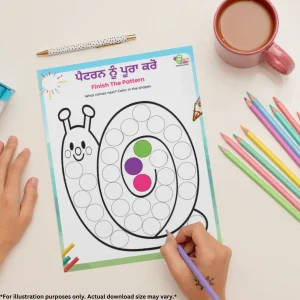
(211, 258)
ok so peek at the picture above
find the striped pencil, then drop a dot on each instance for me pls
(268, 166)
(272, 156)
(261, 171)
(288, 127)
(273, 124)
(273, 132)
(287, 114)
(278, 198)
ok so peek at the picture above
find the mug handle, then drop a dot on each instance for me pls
(279, 60)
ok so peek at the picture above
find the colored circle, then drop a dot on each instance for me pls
(133, 166)
(142, 182)
(142, 148)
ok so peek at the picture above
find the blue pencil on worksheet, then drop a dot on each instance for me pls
(274, 124)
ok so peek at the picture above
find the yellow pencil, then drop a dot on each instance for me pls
(67, 250)
(271, 155)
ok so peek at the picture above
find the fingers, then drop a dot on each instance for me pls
(189, 248)
(196, 232)
(1, 147)
(28, 202)
(13, 180)
(172, 257)
(5, 158)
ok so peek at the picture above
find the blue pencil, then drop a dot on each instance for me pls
(270, 119)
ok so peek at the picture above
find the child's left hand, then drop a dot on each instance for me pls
(15, 215)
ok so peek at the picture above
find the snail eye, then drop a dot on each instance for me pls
(71, 146)
(83, 145)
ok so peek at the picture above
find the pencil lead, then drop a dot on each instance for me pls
(225, 137)
(250, 96)
(238, 138)
(298, 113)
(223, 149)
(248, 102)
(276, 100)
(246, 130)
(274, 110)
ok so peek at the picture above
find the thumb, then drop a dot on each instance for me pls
(172, 257)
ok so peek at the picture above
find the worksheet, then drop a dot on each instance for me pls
(128, 155)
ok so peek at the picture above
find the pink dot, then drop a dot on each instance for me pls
(142, 182)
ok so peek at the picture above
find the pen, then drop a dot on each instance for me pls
(88, 45)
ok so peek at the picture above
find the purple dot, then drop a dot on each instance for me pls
(133, 166)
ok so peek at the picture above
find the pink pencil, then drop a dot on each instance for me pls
(261, 171)
(287, 114)
(275, 134)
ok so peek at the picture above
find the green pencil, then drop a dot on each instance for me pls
(279, 199)
(268, 166)
(288, 127)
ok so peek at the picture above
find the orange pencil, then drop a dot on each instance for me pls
(287, 114)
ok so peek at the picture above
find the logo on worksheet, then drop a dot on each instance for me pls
(181, 60)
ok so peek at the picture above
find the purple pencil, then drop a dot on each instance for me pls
(275, 134)
(197, 273)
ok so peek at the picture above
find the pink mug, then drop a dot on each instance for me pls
(276, 57)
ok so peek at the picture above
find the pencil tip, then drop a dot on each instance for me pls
(250, 96)
(237, 138)
(298, 113)
(246, 130)
(274, 110)
(276, 100)
(248, 102)
(222, 149)
(225, 137)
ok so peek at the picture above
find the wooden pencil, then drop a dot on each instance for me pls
(287, 114)
(279, 199)
(265, 175)
(271, 156)
(268, 166)
(287, 126)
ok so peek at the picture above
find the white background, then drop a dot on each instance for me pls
(263, 237)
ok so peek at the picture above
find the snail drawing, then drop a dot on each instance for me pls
(139, 180)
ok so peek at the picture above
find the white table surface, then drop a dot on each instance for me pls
(264, 238)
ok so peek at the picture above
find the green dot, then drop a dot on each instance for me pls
(142, 148)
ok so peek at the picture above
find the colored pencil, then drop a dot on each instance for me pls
(288, 127)
(66, 260)
(298, 113)
(67, 250)
(274, 125)
(272, 156)
(196, 272)
(268, 166)
(278, 198)
(265, 175)
(287, 114)
(274, 133)
(71, 264)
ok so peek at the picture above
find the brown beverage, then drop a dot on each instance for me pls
(245, 25)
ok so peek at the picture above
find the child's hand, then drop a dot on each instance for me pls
(15, 215)
(211, 258)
